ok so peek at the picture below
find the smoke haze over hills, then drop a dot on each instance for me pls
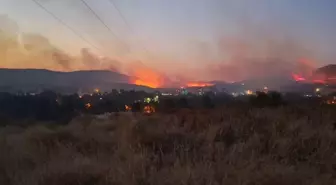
(252, 53)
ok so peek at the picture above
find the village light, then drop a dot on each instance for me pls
(156, 98)
(96, 90)
(147, 100)
(249, 92)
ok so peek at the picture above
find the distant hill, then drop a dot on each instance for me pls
(327, 73)
(328, 70)
(12, 80)
(281, 82)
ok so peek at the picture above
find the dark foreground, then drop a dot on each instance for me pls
(285, 145)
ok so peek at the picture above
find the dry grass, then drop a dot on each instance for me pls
(287, 145)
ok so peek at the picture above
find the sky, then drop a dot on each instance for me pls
(182, 35)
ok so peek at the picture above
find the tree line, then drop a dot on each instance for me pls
(50, 106)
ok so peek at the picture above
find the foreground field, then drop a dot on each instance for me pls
(235, 145)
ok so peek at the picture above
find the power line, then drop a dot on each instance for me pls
(66, 25)
(125, 20)
(121, 15)
(97, 16)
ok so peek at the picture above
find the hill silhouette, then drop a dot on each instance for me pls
(13, 80)
(328, 70)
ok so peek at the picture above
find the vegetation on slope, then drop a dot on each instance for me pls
(231, 145)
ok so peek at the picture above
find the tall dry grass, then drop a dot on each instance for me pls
(232, 145)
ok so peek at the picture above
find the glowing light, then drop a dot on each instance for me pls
(128, 108)
(331, 102)
(317, 90)
(234, 94)
(148, 109)
(156, 99)
(248, 92)
(88, 105)
(184, 92)
(96, 90)
(147, 100)
(266, 89)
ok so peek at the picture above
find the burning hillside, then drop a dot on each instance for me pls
(145, 76)
(327, 74)
(311, 74)
(246, 56)
(199, 84)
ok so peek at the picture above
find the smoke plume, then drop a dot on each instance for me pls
(253, 53)
(257, 53)
(30, 50)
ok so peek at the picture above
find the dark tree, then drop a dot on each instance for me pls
(136, 107)
(183, 102)
(275, 99)
(168, 104)
(207, 102)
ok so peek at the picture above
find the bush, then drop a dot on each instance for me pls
(271, 99)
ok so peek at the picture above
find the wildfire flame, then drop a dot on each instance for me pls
(319, 81)
(298, 77)
(147, 82)
(198, 84)
(306, 74)
(88, 105)
(147, 77)
(148, 109)
(128, 108)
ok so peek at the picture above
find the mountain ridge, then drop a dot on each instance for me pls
(13, 80)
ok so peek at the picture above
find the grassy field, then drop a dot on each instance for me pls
(230, 145)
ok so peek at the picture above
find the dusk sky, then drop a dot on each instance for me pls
(179, 32)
